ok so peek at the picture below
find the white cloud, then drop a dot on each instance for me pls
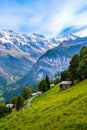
(48, 17)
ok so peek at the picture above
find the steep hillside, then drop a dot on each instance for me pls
(54, 110)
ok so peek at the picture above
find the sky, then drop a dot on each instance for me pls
(47, 17)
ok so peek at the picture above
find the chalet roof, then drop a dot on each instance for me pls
(52, 85)
(66, 82)
(9, 105)
(39, 92)
(36, 94)
(33, 94)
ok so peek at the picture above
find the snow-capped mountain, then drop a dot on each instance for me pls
(54, 61)
(66, 37)
(18, 53)
(33, 46)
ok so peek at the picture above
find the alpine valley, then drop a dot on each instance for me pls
(26, 59)
(18, 53)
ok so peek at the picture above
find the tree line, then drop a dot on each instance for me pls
(77, 69)
(18, 101)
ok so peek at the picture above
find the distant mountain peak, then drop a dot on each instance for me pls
(66, 37)
(39, 35)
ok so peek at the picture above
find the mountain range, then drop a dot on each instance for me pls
(19, 52)
(26, 59)
(54, 61)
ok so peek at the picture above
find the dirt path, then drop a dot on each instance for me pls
(29, 101)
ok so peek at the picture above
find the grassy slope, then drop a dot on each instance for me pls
(54, 110)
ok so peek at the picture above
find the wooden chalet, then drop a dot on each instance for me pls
(65, 84)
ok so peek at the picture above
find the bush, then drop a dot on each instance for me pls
(3, 110)
(26, 92)
(13, 100)
(76, 81)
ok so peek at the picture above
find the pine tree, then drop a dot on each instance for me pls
(65, 75)
(42, 86)
(74, 63)
(19, 102)
(47, 82)
(82, 68)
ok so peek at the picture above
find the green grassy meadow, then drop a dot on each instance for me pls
(54, 110)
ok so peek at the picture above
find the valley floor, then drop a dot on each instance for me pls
(54, 110)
